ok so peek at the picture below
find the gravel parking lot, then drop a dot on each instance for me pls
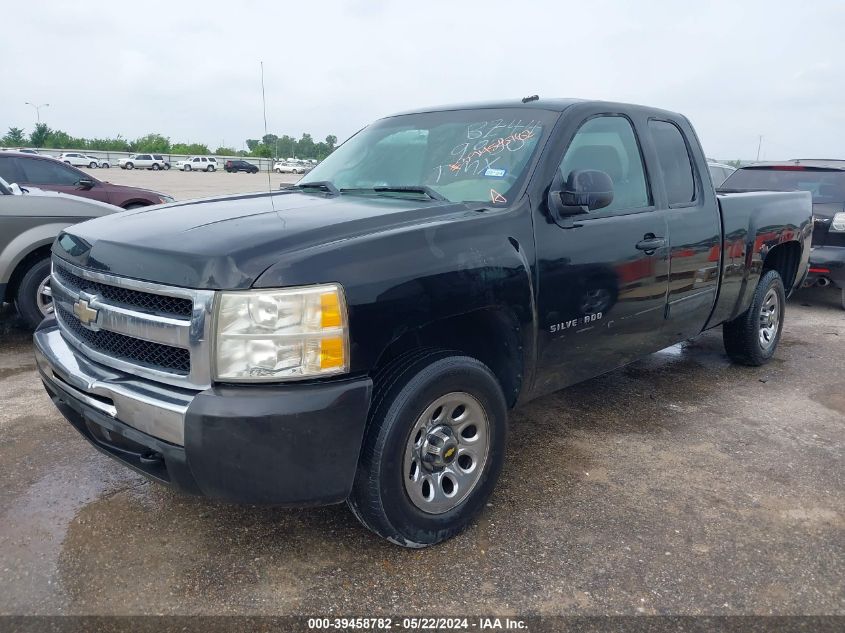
(680, 484)
(184, 185)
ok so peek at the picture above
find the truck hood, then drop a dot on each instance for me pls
(226, 243)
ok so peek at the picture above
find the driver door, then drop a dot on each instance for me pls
(602, 294)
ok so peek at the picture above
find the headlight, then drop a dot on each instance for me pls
(272, 335)
(838, 223)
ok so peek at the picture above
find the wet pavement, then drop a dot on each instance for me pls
(680, 484)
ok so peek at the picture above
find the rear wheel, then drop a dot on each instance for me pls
(433, 450)
(155, 167)
(34, 298)
(753, 336)
(92, 165)
(209, 168)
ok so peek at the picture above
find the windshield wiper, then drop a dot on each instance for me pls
(420, 189)
(322, 185)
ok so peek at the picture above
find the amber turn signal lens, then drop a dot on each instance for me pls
(331, 353)
(330, 309)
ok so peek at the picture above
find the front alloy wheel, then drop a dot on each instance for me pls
(433, 450)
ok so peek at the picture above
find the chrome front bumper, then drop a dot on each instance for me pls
(155, 409)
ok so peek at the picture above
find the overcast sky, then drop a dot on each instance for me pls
(190, 70)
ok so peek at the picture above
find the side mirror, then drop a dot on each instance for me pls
(85, 184)
(585, 190)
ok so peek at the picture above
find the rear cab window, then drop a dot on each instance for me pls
(674, 162)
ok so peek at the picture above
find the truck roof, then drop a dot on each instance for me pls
(549, 104)
(823, 163)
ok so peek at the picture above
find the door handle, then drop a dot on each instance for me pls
(650, 243)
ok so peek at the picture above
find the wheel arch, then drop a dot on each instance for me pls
(491, 335)
(785, 258)
(36, 253)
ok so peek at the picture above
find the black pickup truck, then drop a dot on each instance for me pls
(362, 335)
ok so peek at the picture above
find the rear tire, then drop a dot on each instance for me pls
(155, 167)
(752, 337)
(92, 165)
(419, 399)
(209, 168)
(34, 299)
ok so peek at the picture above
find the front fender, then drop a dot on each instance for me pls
(25, 243)
(402, 279)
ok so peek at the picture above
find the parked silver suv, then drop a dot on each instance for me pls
(30, 219)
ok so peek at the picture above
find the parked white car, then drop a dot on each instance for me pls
(78, 160)
(144, 161)
(197, 163)
(101, 162)
(286, 167)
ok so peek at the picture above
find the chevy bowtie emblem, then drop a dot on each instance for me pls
(84, 312)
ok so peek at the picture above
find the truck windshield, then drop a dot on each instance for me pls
(462, 155)
(826, 185)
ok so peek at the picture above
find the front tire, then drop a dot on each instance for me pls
(433, 450)
(92, 165)
(752, 337)
(106, 165)
(130, 166)
(34, 299)
(187, 168)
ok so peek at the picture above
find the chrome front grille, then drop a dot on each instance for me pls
(143, 301)
(145, 329)
(134, 350)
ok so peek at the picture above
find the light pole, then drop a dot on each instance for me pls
(38, 109)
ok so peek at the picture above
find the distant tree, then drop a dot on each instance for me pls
(252, 144)
(62, 140)
(263, 151)
(305, 147)
(39, 135)
(331, 142)
(226, 151)
(189, 148)
(270, 140)
(15, 136)
(117, 144)
(151, 143)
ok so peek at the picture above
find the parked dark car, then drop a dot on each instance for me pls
(53, 175)
(233, 166)
(362, 335)
(825, 180)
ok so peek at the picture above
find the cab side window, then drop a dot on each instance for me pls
(46, 171)
(8, 169)
(675, 162)
(608, 144)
